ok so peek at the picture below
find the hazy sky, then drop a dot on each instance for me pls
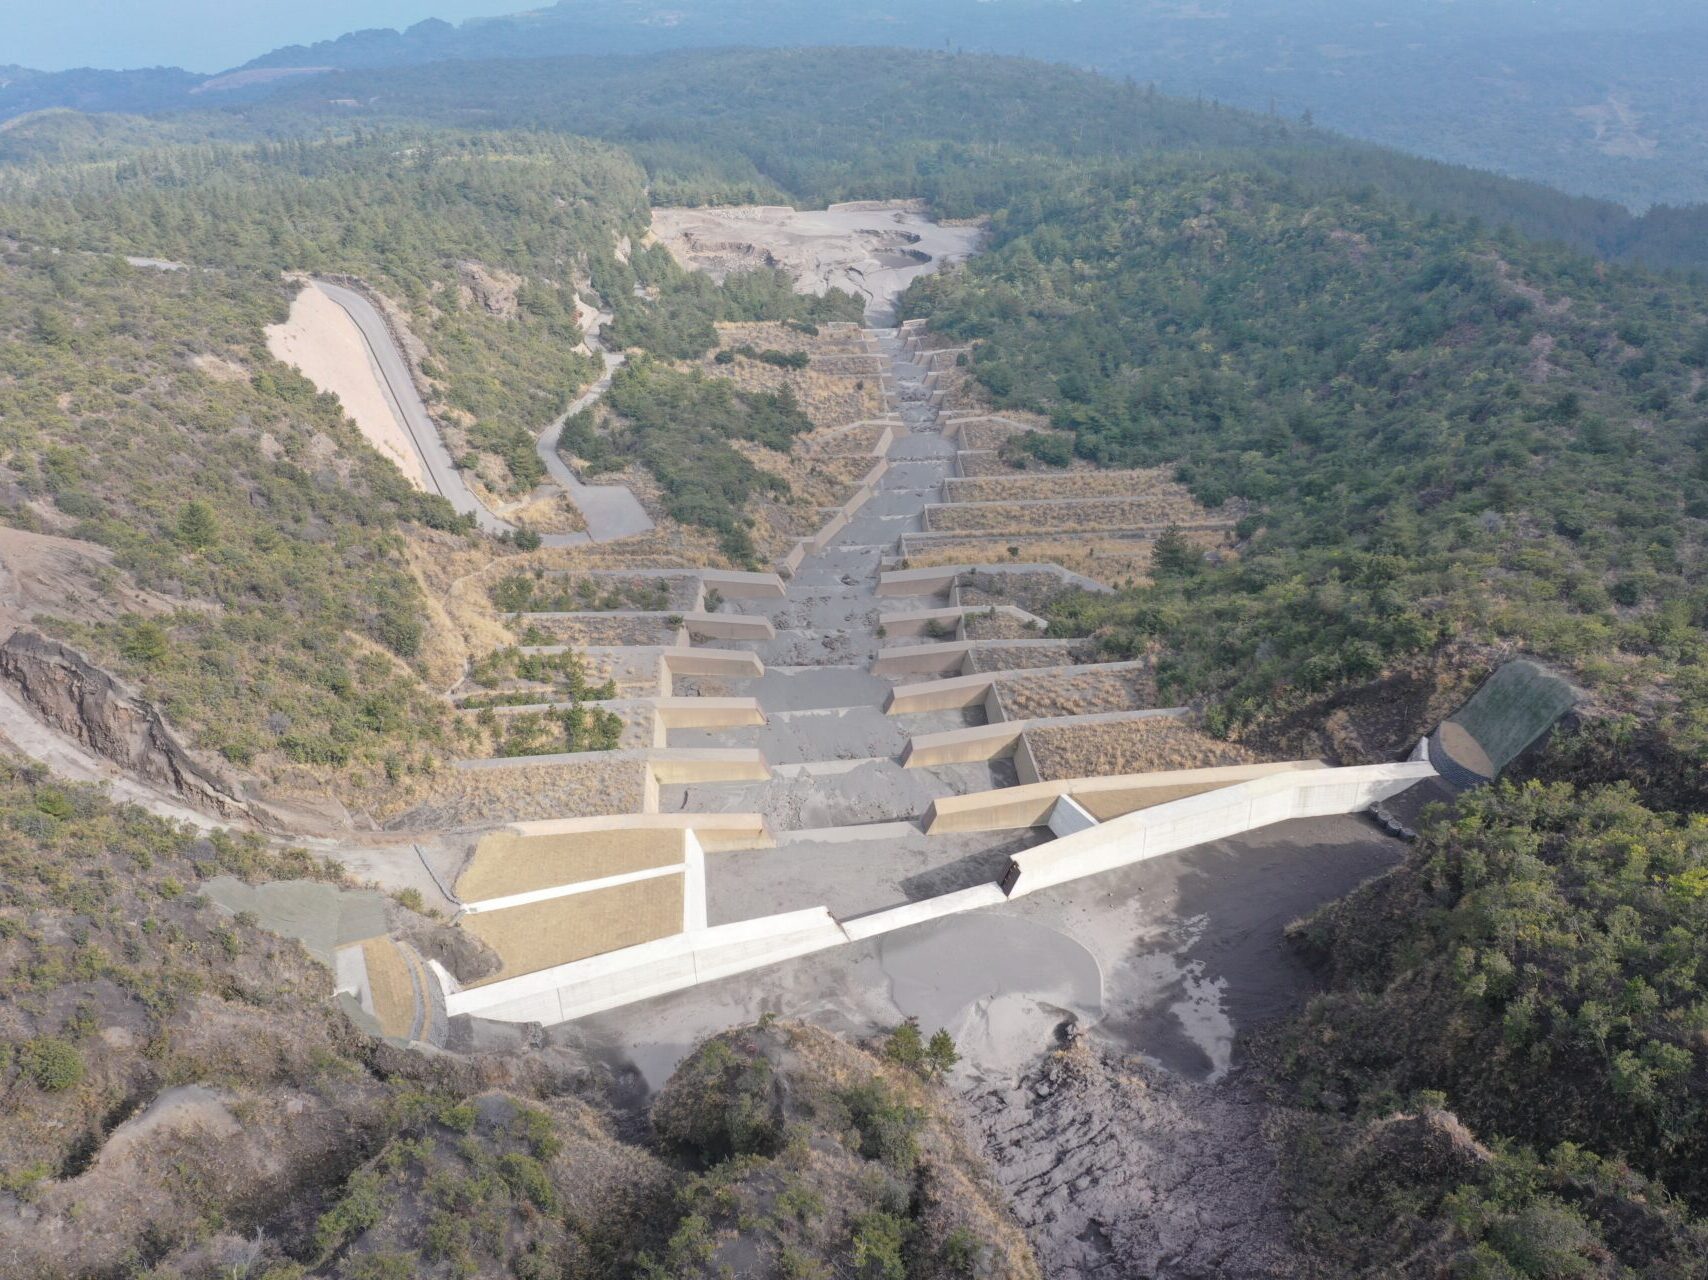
(203, 35)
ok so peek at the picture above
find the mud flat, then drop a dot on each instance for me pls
(871, 249)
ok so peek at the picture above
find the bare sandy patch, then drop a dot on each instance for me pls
(322, 343)
(872, 249)
(69, 578)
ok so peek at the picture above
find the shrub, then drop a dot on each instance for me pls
(197, 527)
(51, 1063)
(528, 1178)
(720, 1103)
(876, 1247)
(886, 1126)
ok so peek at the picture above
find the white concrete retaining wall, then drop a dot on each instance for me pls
(701, 955)
(589, 986)
(947, 904)
(843, 516)
(1199, 819)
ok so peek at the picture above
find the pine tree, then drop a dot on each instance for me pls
(197, 528)
(941, 1054)
(1173, 556)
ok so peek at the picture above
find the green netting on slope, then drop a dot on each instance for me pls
(1515, 706)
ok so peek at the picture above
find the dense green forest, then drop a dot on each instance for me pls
(827, 124)
(819, 125)
(1584, 95)
(1537, 964)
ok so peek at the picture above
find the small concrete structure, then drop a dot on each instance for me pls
(676, 766)
(1032, 804)
(1509, 712)
(736, 584)
(932, 622)
(717, 626)
(702, 713)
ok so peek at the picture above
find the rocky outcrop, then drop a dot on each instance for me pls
(493, 290)
(85, 703)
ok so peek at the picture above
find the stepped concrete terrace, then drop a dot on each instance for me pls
(850, 913)
(835, 755)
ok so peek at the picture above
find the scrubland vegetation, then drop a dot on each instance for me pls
(228, 487)
(679, 426)
(1537, 966)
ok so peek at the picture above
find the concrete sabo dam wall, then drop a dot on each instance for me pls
(1212, 815)
(617, 978)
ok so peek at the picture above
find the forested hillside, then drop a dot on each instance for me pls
(1447, 440)
(278, 621)
(829, 124)
(826, 124)
(414, 215)
(1589, 97)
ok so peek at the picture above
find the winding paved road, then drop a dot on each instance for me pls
(611, 511)
(405, 402)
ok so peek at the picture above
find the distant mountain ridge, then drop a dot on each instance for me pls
(1561, 92)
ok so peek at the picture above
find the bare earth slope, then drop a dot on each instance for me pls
(870, 249)
(322, 342)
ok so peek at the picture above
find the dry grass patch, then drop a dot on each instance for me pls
(1130, 746)
(854, 441)
(1156, 509)
(390, 987)
(1033, 592)
(607, 629)
(558, 931)
(1021, 486)
(1107, 559)
(1077, 693)
(544, 513)
(1024, 657)
(987, 624)
(987, 433)
(505, 863)
(595, 784)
